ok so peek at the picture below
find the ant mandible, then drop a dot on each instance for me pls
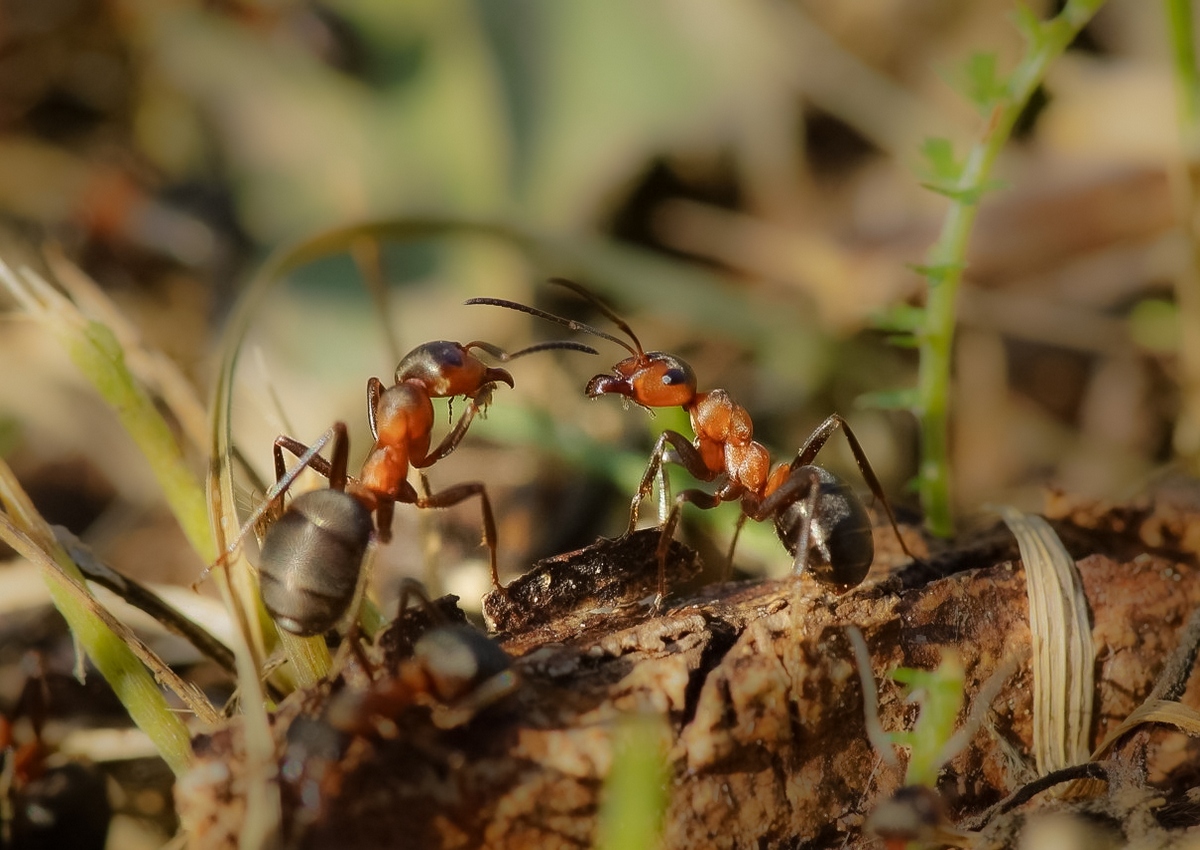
(817, 517)
(312, 554)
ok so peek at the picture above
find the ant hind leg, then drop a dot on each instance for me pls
(816, 441)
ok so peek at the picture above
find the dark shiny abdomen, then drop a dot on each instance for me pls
(311, 558)
(840, 545)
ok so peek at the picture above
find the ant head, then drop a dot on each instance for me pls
(652, 379)
(448, 369)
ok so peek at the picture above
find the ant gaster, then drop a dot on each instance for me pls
(817, 517)
(312, 555)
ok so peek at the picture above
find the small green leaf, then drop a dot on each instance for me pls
(1154, 325)
(968, 195)
(904, 340)
(982, 85)
(1029, 25)
(940, 695)
(937, 272)
(939, 159)
(900, 317)
(901, 399)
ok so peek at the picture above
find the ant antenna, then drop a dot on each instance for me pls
(504, 356)
(571, 323)
(602, 307)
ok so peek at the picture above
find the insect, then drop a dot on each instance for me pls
(455, 669)
(447, 667)
(46, 801)
(312, 554)
(817, 517)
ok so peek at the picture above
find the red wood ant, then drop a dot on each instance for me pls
(820, 520)
(312, 554)
(450, 669)
(455, 670)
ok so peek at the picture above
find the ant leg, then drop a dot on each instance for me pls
(686, 455)
(700, 499)
(801, 484)
(384, 509)
(727, 574)
(374, 391)
(816, 442)
(411, 588)
(317, 464)
(459, 493)
(308, 458)
(450, 442)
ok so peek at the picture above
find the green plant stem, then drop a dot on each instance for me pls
(1186, 190)
(946, 260)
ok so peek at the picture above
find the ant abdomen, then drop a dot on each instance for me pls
(310, 560)
(840, 544)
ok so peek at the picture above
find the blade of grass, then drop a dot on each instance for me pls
(24, 529)
(1063, 687)
(1185, 183)
(152, 368)
(98, 354)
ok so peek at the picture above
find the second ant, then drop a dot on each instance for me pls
(817, 517)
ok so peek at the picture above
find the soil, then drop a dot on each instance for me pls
(757, 681)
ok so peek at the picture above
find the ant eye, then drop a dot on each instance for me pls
(671, 377)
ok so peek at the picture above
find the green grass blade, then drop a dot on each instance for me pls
(25, 530)
(636, 793)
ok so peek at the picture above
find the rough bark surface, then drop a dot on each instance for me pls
(760, 689)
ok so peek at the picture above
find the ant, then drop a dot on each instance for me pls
(46, 801)
(452, 669)
(455, 669)
(817, 517)
(312, 554)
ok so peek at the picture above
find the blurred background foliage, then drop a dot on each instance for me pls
(766, 153)
(740, 179)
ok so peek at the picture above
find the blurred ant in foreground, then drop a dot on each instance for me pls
(454, 669)
(46, 800)
(817, 516)
(313, 553)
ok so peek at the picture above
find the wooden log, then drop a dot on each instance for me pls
(760, 692)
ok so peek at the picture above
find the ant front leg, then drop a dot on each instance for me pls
(685, 454)
(700, 499)
(316, 463)
(816, 441)
(459, 493)
(449, 443)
